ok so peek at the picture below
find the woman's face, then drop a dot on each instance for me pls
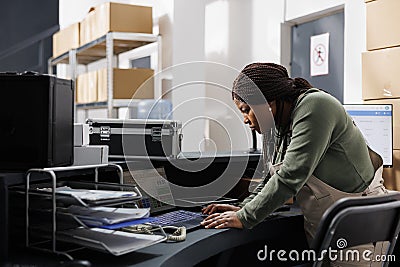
(249, 114)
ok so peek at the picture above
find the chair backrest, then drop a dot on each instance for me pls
(359, 220)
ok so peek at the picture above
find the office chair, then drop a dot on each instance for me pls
(358, 221)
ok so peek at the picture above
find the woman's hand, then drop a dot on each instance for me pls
(228, 219)
(212, 208)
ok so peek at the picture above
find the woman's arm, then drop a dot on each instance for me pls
(257, 190)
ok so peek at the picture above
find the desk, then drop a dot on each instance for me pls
(199, 246)
(277, 233)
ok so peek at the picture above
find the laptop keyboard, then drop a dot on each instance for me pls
(179, 218)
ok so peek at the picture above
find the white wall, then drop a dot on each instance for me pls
(245, 34)
(232, 33)
(188, 46)
(354, 45)
(300, 10)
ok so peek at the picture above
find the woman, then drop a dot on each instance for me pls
(320, 155)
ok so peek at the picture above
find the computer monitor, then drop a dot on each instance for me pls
(376, 124)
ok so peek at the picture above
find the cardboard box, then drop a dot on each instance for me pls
(383, 24)
(381, 73)
(126, 83)
(102, 85)
(115, 17)
(391, 176)
(66, 39)
(81, 85)
(92, 87)
(86, 87)
(87, 28)
(396, 118)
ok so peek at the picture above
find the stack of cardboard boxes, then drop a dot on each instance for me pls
(114, 17)
(108, 17)
(381, 71)
(127, 84)
(66, 39)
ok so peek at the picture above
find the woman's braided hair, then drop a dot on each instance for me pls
(259, 83)
(269, 79)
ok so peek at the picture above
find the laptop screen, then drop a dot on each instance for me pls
(158, 190)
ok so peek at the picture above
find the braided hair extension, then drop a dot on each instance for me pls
(269, 80)
(259, 83)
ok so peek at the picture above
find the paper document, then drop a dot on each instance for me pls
(91, 195)
(106, 215)
(114, 242)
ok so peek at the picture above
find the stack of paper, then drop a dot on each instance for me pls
(106, 216)
(114, 242)
(92, 195)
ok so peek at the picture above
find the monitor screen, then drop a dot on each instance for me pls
(375, 123)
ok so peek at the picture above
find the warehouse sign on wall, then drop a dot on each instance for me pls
(319, 54)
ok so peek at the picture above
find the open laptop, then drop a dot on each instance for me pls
(169, 215)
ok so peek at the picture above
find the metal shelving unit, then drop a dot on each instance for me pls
(107, 46)
(52, 237)
(117, 103)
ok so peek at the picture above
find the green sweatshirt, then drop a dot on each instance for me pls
(324, 142)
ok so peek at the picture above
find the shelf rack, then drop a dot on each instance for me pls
(52, 172)
(117, 103)
(110, 44)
